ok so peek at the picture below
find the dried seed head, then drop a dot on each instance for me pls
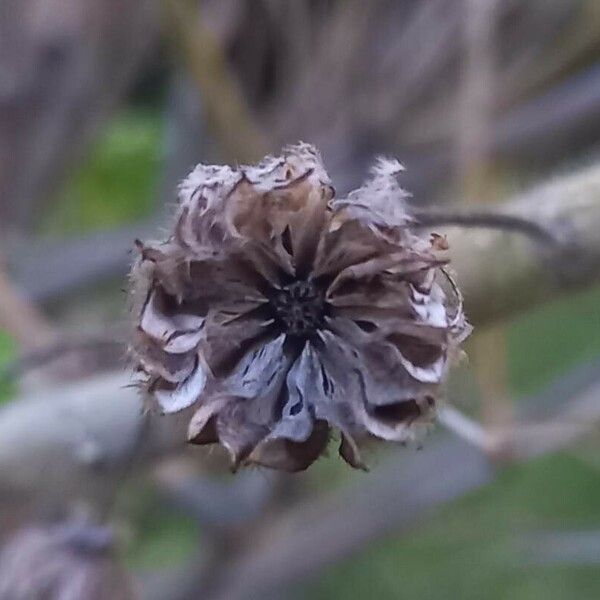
(279, 312)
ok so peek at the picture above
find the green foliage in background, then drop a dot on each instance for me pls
(546, 343)
(116, 184)
(160, 537)
(8, 352)
(474, 549)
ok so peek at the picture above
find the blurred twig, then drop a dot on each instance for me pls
(501, 274)
(461, 217)
(479, 182)
(537, 130)
(324, 531)
(65, 64)
(99, 344)
(47, 270)
(559, 548)
(227, 114)
(565, 411)
(20, 317)
(576, 41)
(76, 440)
(580, 416)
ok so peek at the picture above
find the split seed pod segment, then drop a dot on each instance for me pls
(281, 313)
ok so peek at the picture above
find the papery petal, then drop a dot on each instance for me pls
(280, 206)
(286, 455)
(177, 332)
(350, 452)
(401, 264)
(225, 279)
(296, 421)
(390, 361)
(184, 394)
(380, 201)
(346, 243)
(331, 385)
(202, 427)
(229, 335)
(155, 361)
(401, 430)
(201, 221)
(258, 370)
(238, 432)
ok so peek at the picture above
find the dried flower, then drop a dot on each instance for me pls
(64, 561)
(281, 312)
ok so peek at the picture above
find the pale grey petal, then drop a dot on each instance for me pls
(394, 432)
(432, 373)
(156, 362)
(178, 331)
(389, 371)
(204, 414)
(183, 341)
(238, 432)
(380, 201)
(185, 394)
(257, 371)
(296, 422)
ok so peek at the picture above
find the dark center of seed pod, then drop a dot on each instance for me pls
(300, 308)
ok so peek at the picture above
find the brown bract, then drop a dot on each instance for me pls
(280, 312)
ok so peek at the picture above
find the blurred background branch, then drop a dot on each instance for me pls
(228, 116)
(65, 65)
